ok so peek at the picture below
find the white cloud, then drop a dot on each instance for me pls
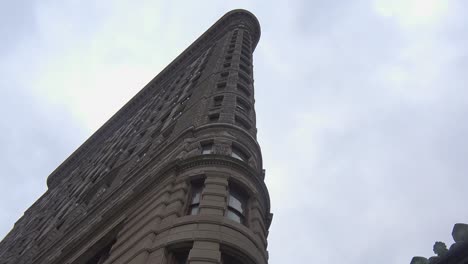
(411, 13)
(85, 69)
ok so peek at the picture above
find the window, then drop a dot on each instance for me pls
(237, 203)
(195, 196)
(242, 105)
(164, 118)
(245, 60)
(242, 123)
(244, 78)
(130, 151)
(221, 85)
(218, 101)
(102, 255)
(239, 154)
(245, 53)
(244, 68)
(179, 257)
(227, 65)
(225, 74)
(207, 148)
(226, 259)
(213, 117)
(243, 89)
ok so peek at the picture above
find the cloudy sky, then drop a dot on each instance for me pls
(361, 109)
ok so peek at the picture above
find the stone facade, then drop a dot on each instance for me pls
(175, 176)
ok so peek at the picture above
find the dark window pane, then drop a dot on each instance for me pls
(235, 203)
(233, 215)
(102, 255)
(226, 259)
(180, 258)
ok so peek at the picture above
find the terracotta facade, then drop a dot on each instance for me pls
(175, 176)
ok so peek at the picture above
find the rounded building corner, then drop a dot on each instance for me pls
(248, 17)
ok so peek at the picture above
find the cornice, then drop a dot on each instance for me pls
(238, 17)
(110, 205)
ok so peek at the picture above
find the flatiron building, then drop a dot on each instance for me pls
(175, 176)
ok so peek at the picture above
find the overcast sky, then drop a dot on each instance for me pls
(361, 110)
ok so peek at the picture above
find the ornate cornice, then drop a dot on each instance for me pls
(233, 18)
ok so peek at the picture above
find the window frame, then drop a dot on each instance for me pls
(196, 188)
(206, 146)
(242, 198)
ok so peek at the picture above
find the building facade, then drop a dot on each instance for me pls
(173, 177)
